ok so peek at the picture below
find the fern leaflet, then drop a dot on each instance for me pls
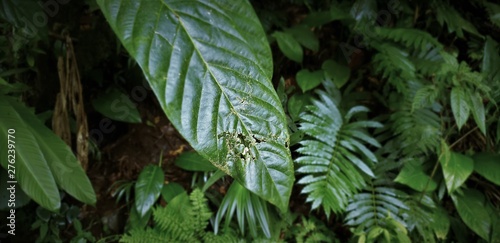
(335, 154)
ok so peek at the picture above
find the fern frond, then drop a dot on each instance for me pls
(176, 221)
(410, 38)
(184, 219)
(335, 158)
(453, 19)
(426, 221)
(200, 213)
(312, 230)
(418, 131)
(138, 235)
(220, 238)
(378, 201)
(428, 61)
(424, 97)
(395, 65)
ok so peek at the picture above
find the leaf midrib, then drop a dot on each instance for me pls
(207, 66)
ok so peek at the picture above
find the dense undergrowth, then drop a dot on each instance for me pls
(388, 126)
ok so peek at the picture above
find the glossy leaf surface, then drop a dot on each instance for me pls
(209, 64)
(148, 188)
(456, 170)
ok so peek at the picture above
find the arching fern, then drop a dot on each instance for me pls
(184, 219)
(380, 207)
(334, 158)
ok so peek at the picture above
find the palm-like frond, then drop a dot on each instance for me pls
(378, 201)
(335, 157)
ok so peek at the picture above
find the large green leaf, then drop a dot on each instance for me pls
(210, 65)
(473, 210)
(148, 188)
(63, 164)
(456, 169)
(488, 165)
(31, 169)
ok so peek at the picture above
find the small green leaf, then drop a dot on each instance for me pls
(413, 176)
(488, 165)
(338, 73)
(459, 106)
(477, 107)
(305, 36)
(456, 170)
(289, 46)
(117, 105)
(192, 161)
(148, 188)
(472, 208)
(297, 104)
(309, 80)
(491, 59)
(171, 190)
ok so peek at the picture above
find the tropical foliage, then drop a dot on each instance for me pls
(381, 117)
